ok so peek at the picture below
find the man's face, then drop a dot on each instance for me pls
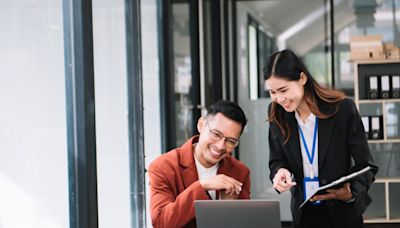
(218, 137)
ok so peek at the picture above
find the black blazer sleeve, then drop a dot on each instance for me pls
(359, 149)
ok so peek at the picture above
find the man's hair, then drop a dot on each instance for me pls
(230, 110)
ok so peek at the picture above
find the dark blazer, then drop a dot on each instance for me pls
(341, 139)
(174, 185)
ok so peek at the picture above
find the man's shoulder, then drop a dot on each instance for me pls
(169, 159)
(236, 164)
(173, 159)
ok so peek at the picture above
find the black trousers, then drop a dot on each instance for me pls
(320, 216)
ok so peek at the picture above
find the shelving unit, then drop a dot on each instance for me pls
(385, 191)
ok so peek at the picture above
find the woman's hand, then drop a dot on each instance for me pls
(343, 194)
(282, 180)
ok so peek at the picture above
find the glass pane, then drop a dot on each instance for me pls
(33, 141)
(394, 199)
(111, 113)
(182, 72)
(362, 17)
(305, 30)
(387, 157)
(376, 210)
(392, 120)
(308, 35)
(151, 91)
(253, 71)
(266, 47)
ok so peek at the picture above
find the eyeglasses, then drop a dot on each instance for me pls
(216, 136)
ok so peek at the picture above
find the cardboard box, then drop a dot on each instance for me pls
(391, 50)
(366, 47)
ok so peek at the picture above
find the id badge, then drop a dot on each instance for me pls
(310, 187)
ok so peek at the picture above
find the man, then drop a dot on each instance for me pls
(201, 169)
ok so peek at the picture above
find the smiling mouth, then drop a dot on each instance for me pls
(286, 104)
(214, 153)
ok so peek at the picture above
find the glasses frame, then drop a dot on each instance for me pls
(216, 136)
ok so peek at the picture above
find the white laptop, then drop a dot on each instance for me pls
(237, 213)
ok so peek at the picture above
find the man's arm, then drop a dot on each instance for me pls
(168, 208)
(245, 193)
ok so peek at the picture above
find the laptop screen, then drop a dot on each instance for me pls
(237, 213)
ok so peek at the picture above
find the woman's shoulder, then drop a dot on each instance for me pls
(347, 107)
(344, 107)
(347, 103)
(269, 108)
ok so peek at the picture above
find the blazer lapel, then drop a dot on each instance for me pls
(225, 166)
(186, 160)
(325, 127)
(294, 142)
(189, 175)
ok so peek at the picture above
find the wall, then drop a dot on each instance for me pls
(151, 89)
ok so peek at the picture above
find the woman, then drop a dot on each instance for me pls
(315, 137)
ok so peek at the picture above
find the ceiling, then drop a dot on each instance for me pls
(304, 24)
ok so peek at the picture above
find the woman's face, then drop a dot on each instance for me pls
(288, 94)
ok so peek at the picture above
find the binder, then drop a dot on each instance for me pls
(373, 87)
(376, 127)
(365, 121)
(385, 87)
(395, 86)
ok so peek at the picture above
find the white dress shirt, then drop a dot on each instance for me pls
(308, 132)
(204, 172)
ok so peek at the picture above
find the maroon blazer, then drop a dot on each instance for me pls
(174, 185)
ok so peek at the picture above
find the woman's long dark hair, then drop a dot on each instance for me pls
(286, 65)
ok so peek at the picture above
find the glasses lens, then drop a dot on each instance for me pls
(215, 135)
(231, 143)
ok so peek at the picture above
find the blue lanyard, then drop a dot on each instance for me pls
(310, 156)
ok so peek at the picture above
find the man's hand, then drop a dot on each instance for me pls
(229, 185)
(282, 180)
(223, 195)
(343, 194)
